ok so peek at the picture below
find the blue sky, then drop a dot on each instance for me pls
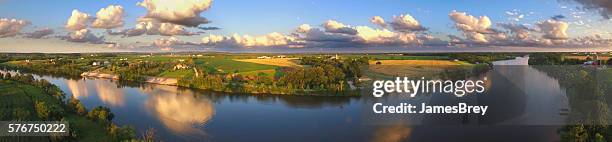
(266, 16)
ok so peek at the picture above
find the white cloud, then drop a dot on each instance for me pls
(77, 21)
(180, 12)
(520, 31)
(271, 39)
(306, 33)
(109, 17)
(470, 23)
(337, 27)
(553, 29)
(153, 27)
(406, 23)
(11, 27)
(84, 35)
(476, 30)
(377, 20)
(170, 43)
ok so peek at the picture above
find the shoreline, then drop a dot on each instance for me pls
(152, 80)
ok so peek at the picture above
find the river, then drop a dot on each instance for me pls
(524, 105)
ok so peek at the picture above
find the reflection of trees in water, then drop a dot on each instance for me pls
(499, 87)
(180, 111)
(292, 101)
(588, 114)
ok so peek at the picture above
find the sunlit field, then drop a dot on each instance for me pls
(283, 62)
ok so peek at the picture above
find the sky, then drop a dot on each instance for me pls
(171, 25)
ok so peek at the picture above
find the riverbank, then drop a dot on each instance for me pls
(152, 80)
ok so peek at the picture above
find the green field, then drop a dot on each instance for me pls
(177, 73)
(229, 65)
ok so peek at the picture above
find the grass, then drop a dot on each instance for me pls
(229, 65)
(16, 96)
(283, 62)
(88, 130)
(177, 73)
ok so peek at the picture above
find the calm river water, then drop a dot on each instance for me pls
(524, 105)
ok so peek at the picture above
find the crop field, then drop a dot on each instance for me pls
(585, 57)
(413, 68)
(229, 65)
(283, 62)
(398, 57)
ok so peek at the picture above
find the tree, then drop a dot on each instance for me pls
(101, 113)
(74, 105)
(125, 133)
(42, 110)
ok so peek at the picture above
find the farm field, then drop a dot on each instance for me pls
(585, 57)
(283, 62)
(413, 68)
(229, 65)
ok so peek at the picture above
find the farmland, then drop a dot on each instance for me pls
(283, 62)
(250, 73)
(414, 68)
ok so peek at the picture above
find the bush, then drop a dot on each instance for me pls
(101, 113)
(75, 106)
(125, 133)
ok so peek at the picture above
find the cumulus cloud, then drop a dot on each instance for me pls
(153, 27)
(364, 36)
(268, 40)
(85, 36)
(337, 27)
(78, 21)
(377, 20)
(307, 33)
(383, 36)
(180, 12)
(604, 7)
(40, 33)
(11, 27)
(553, 29)
(406, 23)
(470, 23)
(109, 17)
(593, 40)
(520, 31)
(476, 30)
(169, 43)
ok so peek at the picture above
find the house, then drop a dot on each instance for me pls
(95, 63)
(335, 57)
(263, 57)
(180, 67)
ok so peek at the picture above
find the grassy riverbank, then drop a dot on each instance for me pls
(27, 99)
